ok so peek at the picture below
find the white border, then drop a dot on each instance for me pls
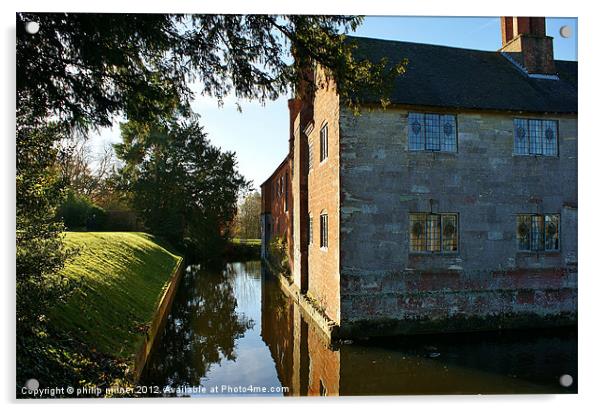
(590, 147)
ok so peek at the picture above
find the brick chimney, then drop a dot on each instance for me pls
(524, 40)
(294, 107)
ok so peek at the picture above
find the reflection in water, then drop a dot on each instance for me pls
(201, 330)
(237, 327)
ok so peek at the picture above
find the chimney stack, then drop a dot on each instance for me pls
(524, 40)
(294, 107)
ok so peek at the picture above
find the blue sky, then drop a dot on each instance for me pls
(259, 135)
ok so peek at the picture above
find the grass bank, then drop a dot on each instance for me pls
(121, 278)
(243, 249)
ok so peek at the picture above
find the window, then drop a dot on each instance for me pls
(324, 142)
(280, 185)
(324, 230)
(431, 232)
(310, 232)
(538, 232)
(535, 137)
(432, 132)
(310, 156)
(286, 192)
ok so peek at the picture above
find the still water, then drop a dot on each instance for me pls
(235, 333)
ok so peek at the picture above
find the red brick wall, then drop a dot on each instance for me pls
(276, 194)
(301, 113)
(324, 374)
(324, 196)
(527, 43)
(266, 197)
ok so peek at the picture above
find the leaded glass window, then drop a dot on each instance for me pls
(523, 232)
(432, 232)
(535, 137)
(418, 232)
(449, 233)
(550, 137)
(552, 232)
(448, 133)
(416, 131)
(521, 138)
(432, 132)
(538, 232)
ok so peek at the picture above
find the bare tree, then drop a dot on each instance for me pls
(85, 173)
(247, 222)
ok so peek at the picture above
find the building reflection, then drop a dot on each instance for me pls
(285, 333)
(508, 363)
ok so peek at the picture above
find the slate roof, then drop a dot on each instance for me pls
(470, 79)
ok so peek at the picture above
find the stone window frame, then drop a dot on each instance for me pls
(529, 129)
(420, 124)
(323, 230)
(531, 221)
(324, 142)
(437, 237)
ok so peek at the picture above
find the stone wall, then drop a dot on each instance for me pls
(486, 185)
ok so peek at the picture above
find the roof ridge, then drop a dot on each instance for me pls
(497, 52)
(420, 44)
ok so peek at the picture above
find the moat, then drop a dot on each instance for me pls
(235, 333)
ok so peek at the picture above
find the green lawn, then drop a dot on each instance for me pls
(123, 276)
(255, 242)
